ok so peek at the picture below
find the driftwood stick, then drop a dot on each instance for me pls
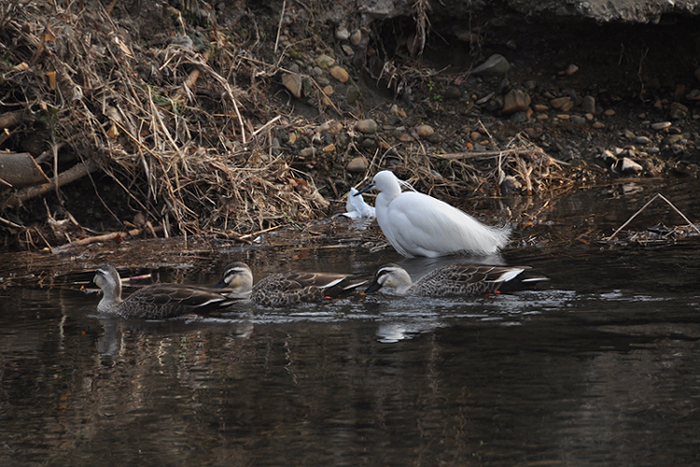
(658, 195)
(76, 172)
(102, 238)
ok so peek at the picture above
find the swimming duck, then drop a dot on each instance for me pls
(452, 280)
(285, 288)
(157, 301)
(417, 224)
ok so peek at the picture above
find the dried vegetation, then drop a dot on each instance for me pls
(182, 123)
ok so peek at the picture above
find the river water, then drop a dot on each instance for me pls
(598, 366)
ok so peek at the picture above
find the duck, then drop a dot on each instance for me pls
(453, 280)
(157, 301)
(285, 288)
(416, 224)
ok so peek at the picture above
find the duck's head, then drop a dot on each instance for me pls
(107, 278)
(391, 278)
(237, 278)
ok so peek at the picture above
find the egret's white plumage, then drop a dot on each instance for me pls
(417, 224)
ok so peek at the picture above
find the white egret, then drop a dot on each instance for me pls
(417, 224)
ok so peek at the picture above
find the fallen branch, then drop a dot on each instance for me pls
(102, 238)
(76, 172)
(658, 195)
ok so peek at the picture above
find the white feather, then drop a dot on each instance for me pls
(357, 208)
(419, 225)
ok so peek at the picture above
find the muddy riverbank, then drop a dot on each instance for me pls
(226, 123)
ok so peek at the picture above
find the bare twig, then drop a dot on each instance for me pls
(658, 195)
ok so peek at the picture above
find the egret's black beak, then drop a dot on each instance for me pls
(367, 188)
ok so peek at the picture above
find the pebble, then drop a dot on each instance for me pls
(357, 164)
(495, 65)
(307, 152)
(342, 34)
(425, 131)
(452, 92)
(516, 100)
(642, 140)
(329, 148)
(352, 94)
(397, 111)
(559, 102)
(677, 111)
(571, 69)
(609, 112)
(339, 73)
(356, 37)
(588, 104)
(577, 119)
(598, 125)
(541, 108)
(366, 126)
(348, 50)
(325, 61)
(660, 125)
(293, 84)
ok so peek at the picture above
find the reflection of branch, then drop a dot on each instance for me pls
(658, 195)
(76, 172)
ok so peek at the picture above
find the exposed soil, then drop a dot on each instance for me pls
(638, 75)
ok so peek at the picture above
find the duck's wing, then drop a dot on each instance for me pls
(161, 301)
(467, 279)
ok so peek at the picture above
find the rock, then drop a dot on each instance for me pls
(677, 111)
(352, 94)
(367, 126)
(293, 84)
(339, 73)
(577, 119)
(571, 70)
(560, 102)
(588, 104)
(307, 152)
(642, 140)
(357, 164)
(516, 100)
(609, 112)
(348, 50)
(495, 65)
(356, 37)
(342, 34)
(658, 126)
(425, 131)
(329, 148)
(693, 95)
(452, 92)
(324, 61)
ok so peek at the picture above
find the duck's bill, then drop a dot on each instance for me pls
(373, 287)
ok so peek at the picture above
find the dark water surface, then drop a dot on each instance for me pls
(600, 366)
